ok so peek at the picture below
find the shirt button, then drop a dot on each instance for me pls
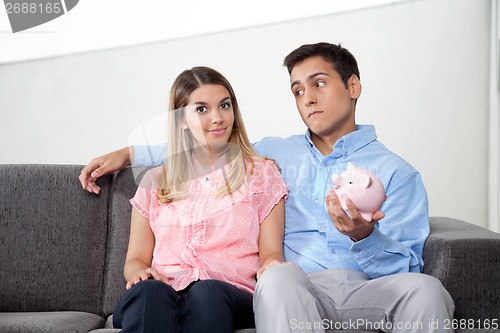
(323, 164)
(322, 227)
(316, 201)
(357, 250)
(332, 251)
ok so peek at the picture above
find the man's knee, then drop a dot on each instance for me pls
(424, 283)
(426, 289)
(281, 281)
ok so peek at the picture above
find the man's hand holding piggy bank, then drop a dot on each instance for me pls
(363, 188)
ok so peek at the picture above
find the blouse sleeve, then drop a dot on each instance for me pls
(146, 193)
(269, 187)
(142, 200)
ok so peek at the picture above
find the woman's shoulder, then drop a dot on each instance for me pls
(261, 162)
(263, 170)
(266, 178)
(153, 178)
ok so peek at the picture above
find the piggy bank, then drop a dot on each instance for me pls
(365, 190)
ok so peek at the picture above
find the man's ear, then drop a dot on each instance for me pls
(354, 85)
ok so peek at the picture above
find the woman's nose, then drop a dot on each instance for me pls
(216, 116)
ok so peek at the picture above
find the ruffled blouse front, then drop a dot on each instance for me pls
(208, 237)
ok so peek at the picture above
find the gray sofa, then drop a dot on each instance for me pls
(62, 252)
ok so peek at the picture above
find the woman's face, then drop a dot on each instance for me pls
(209, 115)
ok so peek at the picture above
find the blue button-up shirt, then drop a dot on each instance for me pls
(311, 240)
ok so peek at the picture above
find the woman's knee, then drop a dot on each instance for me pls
(155, 295)
(151, 291)
(151, 287)
(209, 306)
(206, 292)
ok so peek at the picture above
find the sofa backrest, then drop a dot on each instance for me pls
(53, 238)
(122, 189)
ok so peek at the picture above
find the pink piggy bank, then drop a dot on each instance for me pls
(365, 190)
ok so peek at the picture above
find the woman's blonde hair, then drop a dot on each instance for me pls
(178, 168)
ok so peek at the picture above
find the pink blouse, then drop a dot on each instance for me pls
(208, 237)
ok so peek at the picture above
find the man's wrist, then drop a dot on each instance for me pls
(131, 155)
(358, 238)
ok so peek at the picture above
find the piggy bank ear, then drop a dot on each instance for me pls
(364, 180)
(337, 180)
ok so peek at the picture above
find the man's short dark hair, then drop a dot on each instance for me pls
(342, 60)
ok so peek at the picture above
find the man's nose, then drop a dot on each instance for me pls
(309, 98)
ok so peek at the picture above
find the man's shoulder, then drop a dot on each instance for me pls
(280, 140)
(387, 164)
(395, 158)
(274, 144)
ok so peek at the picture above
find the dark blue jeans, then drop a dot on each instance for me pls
(204, 306)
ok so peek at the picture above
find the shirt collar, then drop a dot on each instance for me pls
(349, 143)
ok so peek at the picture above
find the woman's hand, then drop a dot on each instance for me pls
(269, 264)
(146, 275)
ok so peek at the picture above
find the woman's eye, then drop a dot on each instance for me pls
(201, 109)
(225, 106)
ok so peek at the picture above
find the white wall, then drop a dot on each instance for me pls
(494, 123)
(424, 68)
(96, 25)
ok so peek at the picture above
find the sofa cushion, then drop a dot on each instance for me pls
(53, 242)
(49, 322)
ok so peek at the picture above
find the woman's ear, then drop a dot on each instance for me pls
(354, 85)
(183, 123)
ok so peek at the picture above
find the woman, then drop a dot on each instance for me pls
(205, 224)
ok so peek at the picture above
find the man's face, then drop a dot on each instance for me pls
(325, 104)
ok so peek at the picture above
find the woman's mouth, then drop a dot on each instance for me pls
(217, 131)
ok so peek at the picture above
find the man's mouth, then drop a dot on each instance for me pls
(313, 113)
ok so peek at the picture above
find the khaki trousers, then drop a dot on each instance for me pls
(287, 299)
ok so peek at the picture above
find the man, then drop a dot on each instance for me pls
(350, 274)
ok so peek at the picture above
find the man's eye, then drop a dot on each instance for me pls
(320, 84)
(201, 109)
(299, 92)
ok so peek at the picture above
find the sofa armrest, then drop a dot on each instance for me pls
(466, 259)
